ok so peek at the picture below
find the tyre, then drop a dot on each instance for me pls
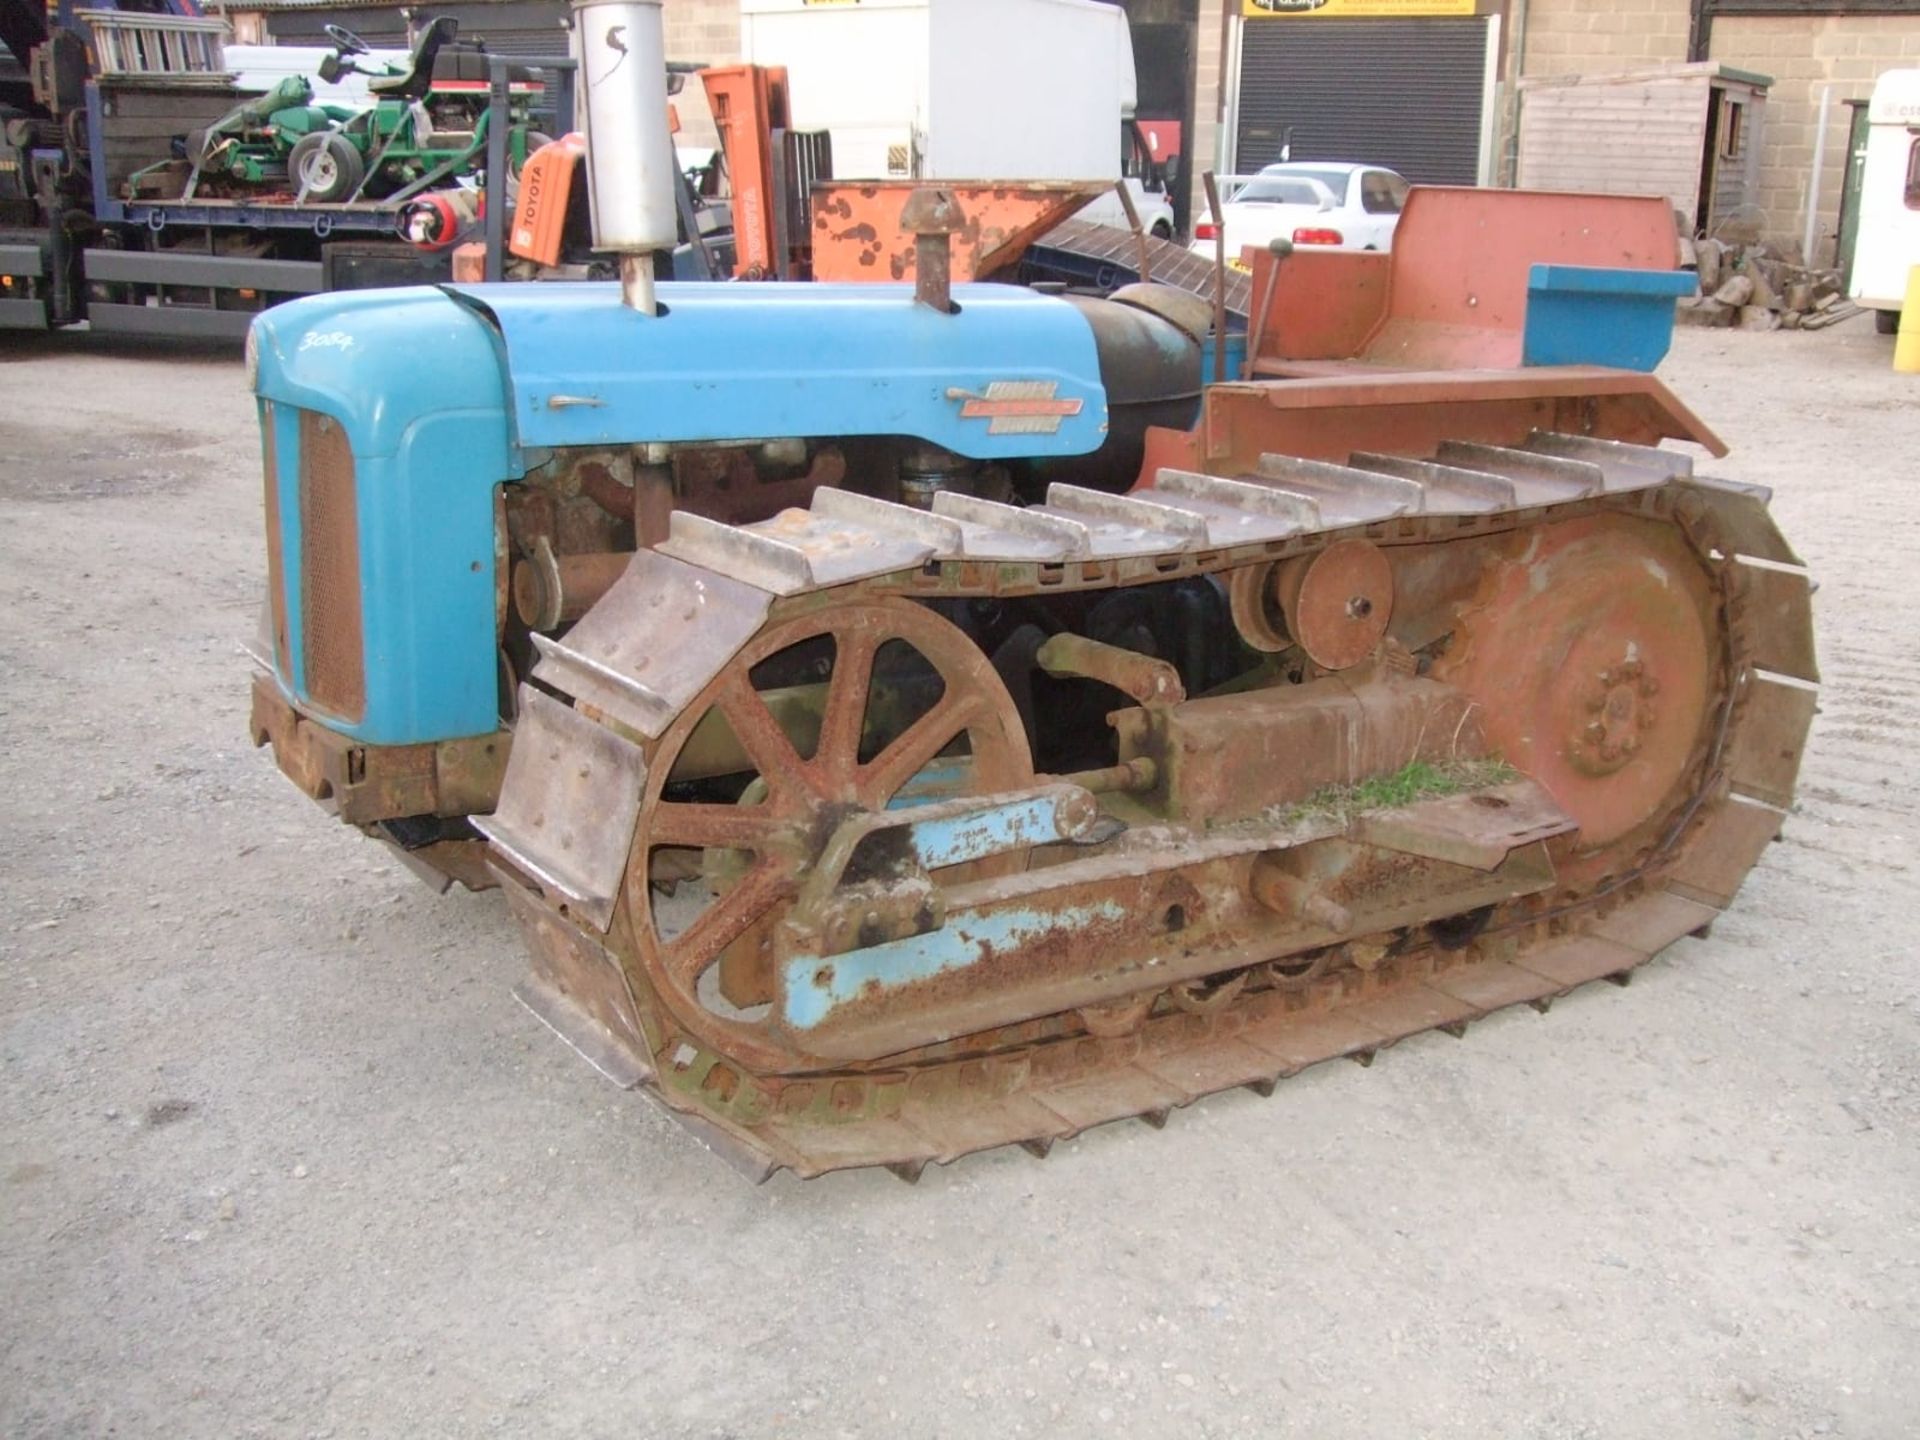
(1887, 322)
(1162, 230)
(325, 167)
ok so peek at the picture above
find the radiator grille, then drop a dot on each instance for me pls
(335, 670)
(276, 570)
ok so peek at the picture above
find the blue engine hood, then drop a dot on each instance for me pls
(755, 362)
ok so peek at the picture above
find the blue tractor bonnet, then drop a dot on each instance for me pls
(442, 395)
(756, 362)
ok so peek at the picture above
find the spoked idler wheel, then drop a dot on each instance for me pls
(854, 707)
(1593, 654)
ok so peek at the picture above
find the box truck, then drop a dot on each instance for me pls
(966, 90)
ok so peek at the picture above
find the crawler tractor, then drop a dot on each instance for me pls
(909, 720)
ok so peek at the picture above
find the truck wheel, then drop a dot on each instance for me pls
(1887, 322)
(1162, 230)
(326, 167)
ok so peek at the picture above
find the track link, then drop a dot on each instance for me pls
(681, 614)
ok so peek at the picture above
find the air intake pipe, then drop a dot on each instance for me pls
(623, 72)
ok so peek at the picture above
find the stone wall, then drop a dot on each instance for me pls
(1802, 54)
(1581, 37)
(707, 31)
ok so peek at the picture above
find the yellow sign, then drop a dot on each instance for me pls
(1352, 9)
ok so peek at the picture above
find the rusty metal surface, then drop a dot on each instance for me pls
(444, 864)
(1592, 643)
(1255, 607)
(859, 233)
(1324, 305)
(782, 836)
(567, 810)
(1452, 293)
(1214, 941)
(933, 216)
(304, 752)
(365, 784)
(1144, 679)
(1230, 757)
(1172, 263)
(1479, 829)
(1338, 602)
(1764, 753)
(579, 990)
(613, 658)
(1413, 413)
(330, 632)
(793, 551)
(550, 590)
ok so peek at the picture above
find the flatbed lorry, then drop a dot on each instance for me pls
(91, 98)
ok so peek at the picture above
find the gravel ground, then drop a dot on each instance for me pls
(279, 1155)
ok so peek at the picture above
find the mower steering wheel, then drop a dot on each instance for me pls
(345, 41)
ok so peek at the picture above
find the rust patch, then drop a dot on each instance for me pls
(330, 634)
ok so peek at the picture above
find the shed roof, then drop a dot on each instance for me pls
(1699, 70)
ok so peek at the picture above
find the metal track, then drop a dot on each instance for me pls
(711, 587)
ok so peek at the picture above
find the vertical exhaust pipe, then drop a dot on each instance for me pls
(623, 72)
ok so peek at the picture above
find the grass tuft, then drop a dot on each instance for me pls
(1417, 781)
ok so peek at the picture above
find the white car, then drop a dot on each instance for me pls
(1152, 206)
(1353, 207)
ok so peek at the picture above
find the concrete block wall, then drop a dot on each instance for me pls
(1581, 37)
(1804, 54)
(708, 32)
(1801, 52)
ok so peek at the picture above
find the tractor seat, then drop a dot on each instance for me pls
(419, 77)
(467, 64)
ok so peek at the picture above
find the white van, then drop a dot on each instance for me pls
(1887, 243)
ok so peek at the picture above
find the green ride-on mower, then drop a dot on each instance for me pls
(247, 149)
(427, 126)
(428, 122)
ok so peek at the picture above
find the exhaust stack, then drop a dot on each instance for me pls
(623, 72)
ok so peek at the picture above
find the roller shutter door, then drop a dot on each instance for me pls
(523, 44)
(1406, 94)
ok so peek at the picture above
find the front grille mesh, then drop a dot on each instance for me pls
(335, 670)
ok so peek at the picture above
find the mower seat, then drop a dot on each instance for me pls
(419, 77)
(469, 64)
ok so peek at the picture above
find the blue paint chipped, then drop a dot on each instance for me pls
(989, 831)
(816, 986)
(941, 780)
